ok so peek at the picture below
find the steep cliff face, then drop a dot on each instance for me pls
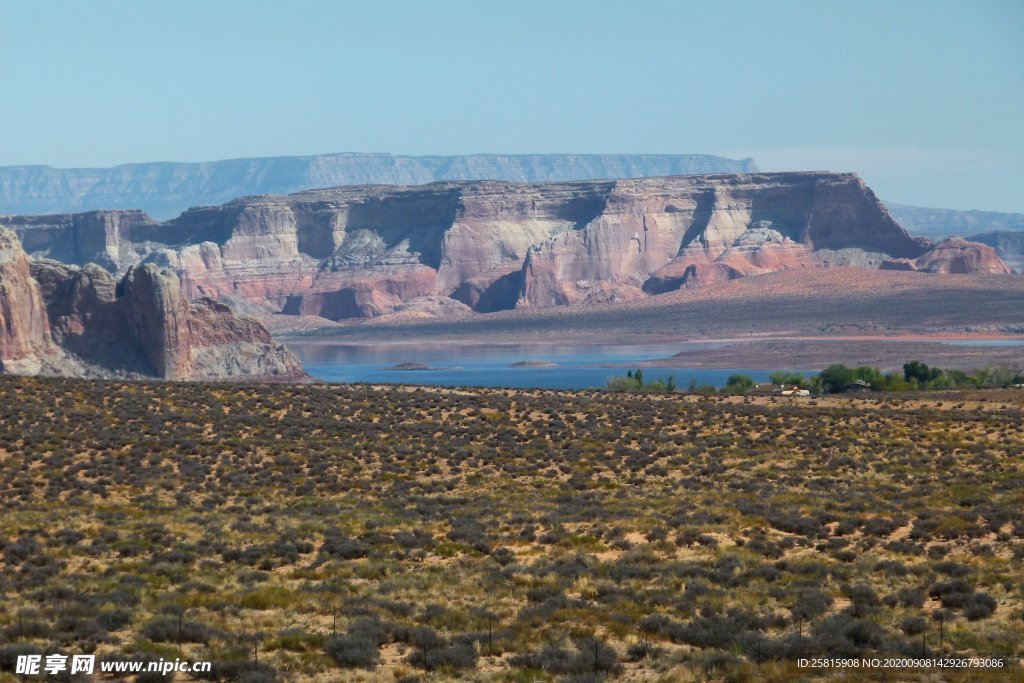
(658, 235)
(24, 329)
(352, 252)
(157, 315)
(113, 239)
(166, 189)
(78, 321)
(79, 301)
(197, 339)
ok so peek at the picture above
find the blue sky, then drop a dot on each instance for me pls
(924, 99)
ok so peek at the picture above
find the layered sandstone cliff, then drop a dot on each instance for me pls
(185, 339)
(697, 230)
(364, 251)
(24, 328)
(65, 319)
(112, 239)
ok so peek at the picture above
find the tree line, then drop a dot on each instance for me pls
(838, 378)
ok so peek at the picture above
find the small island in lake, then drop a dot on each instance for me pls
(408, 365)
(534, 364)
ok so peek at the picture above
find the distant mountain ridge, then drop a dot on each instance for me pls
(941, 223)
(1004, 232)
(165, 189)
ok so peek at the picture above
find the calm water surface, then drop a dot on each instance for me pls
(491, 365)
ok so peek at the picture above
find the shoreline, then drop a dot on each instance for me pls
(650, 340)
(741, 354)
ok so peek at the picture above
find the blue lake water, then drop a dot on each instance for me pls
(491, 365)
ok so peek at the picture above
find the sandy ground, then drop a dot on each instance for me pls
(779, 321)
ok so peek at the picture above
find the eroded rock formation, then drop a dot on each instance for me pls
(1009, 247)
(113, 239)
(953, 255)
(65, 319)
(364, 251)
(201, 338)
(24, 328)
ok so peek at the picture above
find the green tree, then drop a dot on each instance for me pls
(786, 378)
(738, 384)
(658, 386)
(894, 381)
(916, 370)
(639, 376)
(834, 378)
(958, 379)
(998, 376)
(623, 384)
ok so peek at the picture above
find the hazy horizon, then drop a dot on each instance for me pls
(923, 99)
(888, 201)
